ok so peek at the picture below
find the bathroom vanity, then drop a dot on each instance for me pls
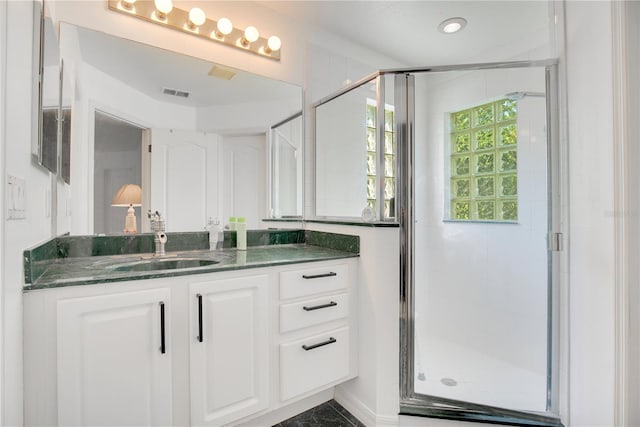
(220, 341)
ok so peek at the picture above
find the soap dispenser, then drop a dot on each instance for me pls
(213, 227)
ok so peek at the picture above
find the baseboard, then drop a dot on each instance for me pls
(361, 411)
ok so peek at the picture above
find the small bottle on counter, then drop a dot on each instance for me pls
(241, 234)
(213, 229)
(232, 223)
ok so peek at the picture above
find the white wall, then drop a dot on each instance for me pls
(18, 234)
(248, 117)
(3, 89)
(591, 254)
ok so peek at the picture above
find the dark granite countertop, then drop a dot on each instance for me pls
(54, 272)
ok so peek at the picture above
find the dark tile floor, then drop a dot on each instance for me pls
(329, 414)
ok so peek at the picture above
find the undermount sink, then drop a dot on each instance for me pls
(165, 264)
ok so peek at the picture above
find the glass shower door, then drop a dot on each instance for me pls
(476, 225)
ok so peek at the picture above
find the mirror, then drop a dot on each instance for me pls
(355, 165)
(192, 134)
(46, 149)
(286, 168)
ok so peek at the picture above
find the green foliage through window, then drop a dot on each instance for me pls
(484, 162)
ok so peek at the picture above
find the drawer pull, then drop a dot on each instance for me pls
(317, 307)
(331, 340)
(318, 276)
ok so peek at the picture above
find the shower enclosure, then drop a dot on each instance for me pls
(465, 158)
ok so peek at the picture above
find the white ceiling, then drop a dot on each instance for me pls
(407, 30)
(150, 69)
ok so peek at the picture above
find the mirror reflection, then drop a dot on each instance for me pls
(47, 147)
(286, 168)
(192, 134)
(356, 154)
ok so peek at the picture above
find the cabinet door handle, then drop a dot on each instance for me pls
(318, 276)
(163, 348)
(331, 340)
(200, 336)
(317, 307)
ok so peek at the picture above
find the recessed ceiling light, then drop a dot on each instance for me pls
(452, 25)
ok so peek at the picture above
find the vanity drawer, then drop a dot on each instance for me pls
(323, 360)
(299, 283)
(305, 313)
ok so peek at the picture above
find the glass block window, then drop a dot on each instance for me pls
(389, 175)
(484, 162)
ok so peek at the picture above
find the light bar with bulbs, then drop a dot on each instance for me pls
(195, 22)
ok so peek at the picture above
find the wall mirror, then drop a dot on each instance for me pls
(47, 58)
(355, 153)
(191, 133)
(286, 160)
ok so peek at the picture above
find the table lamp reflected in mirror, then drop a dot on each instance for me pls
(129, 195)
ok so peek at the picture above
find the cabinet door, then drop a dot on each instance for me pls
(229, 354)
(114, 359)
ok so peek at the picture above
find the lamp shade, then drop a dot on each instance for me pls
(128, 195)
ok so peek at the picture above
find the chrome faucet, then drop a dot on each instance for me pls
(158, 227)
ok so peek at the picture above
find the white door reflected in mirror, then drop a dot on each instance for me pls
(188, 177)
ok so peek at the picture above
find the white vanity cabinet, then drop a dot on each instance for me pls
(237, 345)
(317, 345)
(114, 367)
(229, 360)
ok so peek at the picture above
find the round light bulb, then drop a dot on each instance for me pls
(197, 16)
(251, 34)
(163, 6)
(452, 27)
(274, 43)
(225, 26)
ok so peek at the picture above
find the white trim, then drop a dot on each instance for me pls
(620, 119)
(3, 145)
(361, 411)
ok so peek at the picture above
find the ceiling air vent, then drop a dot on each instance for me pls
(175, 92)
(222, 72)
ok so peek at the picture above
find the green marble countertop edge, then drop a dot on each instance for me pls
(100, 269)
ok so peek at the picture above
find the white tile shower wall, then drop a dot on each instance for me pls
(482, 286)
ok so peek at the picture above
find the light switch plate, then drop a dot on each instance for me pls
(16, 198)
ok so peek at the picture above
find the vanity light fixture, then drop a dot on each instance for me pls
(195, 22)
(452, 25)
